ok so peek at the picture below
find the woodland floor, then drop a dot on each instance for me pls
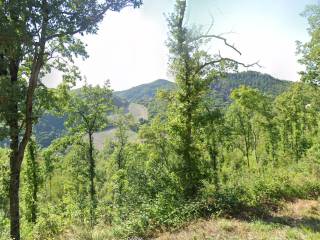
(296, 220)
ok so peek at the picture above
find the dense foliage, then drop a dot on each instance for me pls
(193, 158)
(35, 38)
(51, 127)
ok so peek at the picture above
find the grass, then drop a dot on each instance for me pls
(296, 220)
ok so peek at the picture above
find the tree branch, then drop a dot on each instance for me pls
(93, 20)
(226, 59)
(220, 38)
(35, 70)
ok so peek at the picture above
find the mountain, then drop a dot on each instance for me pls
(221, 88)
(145, 92)
(49, 127)
(135, 99)
(263, 82)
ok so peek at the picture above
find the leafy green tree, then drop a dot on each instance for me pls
(87, 112)
(53, 156)
(77, 198)
(119, 155)
(296, 116)
(214, 132)
(247, 113)
(194, 69)
(35, 37)
(158, 155)
(122, 123)
(271, 135)
(66, 174)
(310, 50)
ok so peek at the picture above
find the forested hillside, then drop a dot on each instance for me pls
(263, 82)
(51, 127)
(221, 87)
(219, 153)
(145, 92)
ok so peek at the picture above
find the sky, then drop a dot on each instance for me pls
(129, 48)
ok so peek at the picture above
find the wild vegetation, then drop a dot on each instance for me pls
(141, 100)
(197, 156)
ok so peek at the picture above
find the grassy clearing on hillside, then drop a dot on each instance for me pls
(138, 111)
(99, 138)
(297, 220)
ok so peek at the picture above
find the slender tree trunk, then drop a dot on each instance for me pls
(246, 144)
(34, 206)
(255, 143)
(16, 158)
(190, 168)
(191, 173)
(15, 167)
(246, 138)
(92, 177)
(120, 160)
(213, 156)
(32, 182)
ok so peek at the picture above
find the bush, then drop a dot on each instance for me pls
(49, 225)
(258, 193)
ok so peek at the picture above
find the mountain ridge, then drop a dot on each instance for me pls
(222, 87)
(144, 91)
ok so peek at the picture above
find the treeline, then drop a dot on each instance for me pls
(192, 159)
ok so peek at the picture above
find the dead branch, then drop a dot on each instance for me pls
(220, 38)
(226, 59)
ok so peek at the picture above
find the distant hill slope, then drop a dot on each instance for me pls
(264, 82)
(135, 99)
(145, 92)
(51, 127)
(221, 88)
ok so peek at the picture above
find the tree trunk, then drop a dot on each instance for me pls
(92, 177)
(32, 183)
(15, 157)
(18, 147)
(246, 138)
(247, 152)
(255, 143)
(34, 206)
(213, 156)
(190, 170)
(15, 166)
